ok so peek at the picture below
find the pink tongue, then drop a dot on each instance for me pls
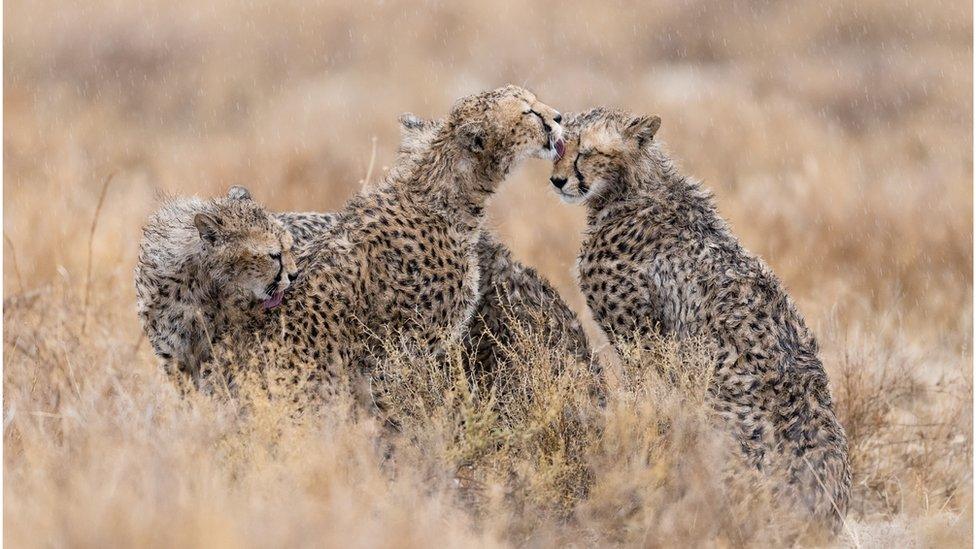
(274, 301)
(560, 149)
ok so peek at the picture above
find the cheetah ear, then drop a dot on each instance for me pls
(410, 121)
(472, 138)
(642, 128)
(238, 193)
(413, 132)
(208, 226)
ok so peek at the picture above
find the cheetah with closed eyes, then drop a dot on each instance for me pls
(657, 257)
(400, 258)
(511, 296)
(205, 265)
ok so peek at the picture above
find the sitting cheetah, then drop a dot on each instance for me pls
(657, 256)
(509, 293)
(400, 258)
(204, 265)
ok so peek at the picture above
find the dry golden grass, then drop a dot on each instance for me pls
(837, 137)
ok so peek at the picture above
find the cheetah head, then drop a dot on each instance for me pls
(246, 248)
(600, 146)
(498, 128)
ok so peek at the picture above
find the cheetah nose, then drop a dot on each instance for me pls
(558, 118)
(557, 182)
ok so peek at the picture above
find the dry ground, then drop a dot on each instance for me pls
(836, 135)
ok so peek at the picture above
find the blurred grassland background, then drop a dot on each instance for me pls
(837, 137)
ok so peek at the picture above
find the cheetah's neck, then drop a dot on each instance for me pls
(445, 179)
(654, 185)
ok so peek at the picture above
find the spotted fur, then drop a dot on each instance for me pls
(657, 257)
(304, 226)
(512, 298)
(513, 301)
(400, 259)
(204, 265)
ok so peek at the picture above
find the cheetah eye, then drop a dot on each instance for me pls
(276, 257)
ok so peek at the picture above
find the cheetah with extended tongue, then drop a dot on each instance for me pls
(400, 259)
(514, 301)
(204, 266)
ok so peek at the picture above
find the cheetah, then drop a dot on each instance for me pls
(204, 265)
(511, 296)
(399, 260)
(658, 258)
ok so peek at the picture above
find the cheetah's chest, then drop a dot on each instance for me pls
(637, 282)
(423, 277)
